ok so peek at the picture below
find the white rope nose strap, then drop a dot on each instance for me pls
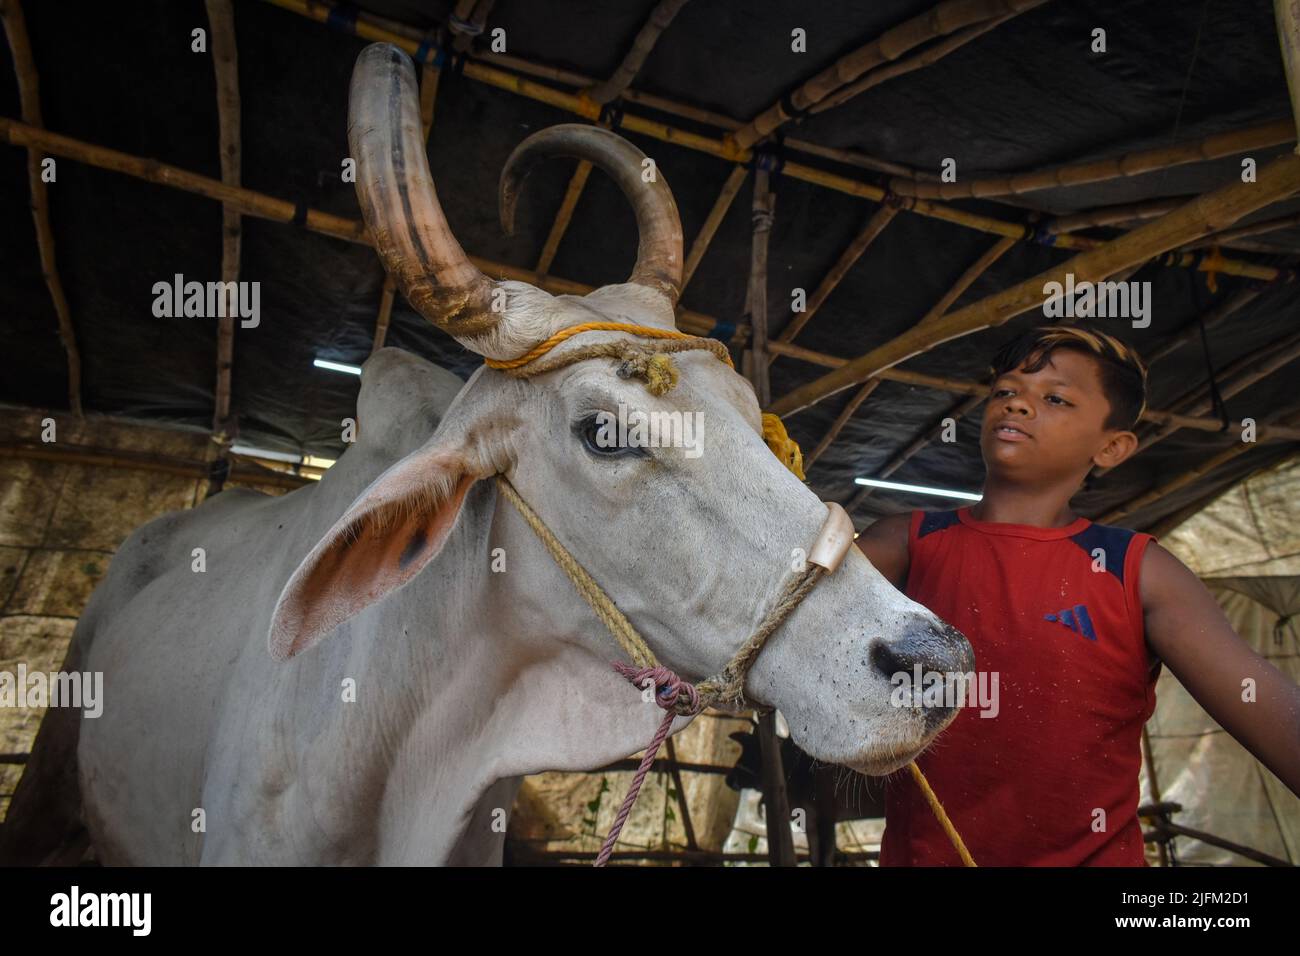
(725, 690)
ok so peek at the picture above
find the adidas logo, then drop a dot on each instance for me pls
(1076, 619)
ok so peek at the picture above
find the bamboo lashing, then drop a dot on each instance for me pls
(1215, 210)
(260, 206)
(319, 10)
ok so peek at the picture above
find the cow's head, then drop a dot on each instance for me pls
(692, 541)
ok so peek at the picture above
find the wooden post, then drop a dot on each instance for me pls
(780, 839)
(11, 13)
(763, 208)
(874, 226)
(226, 65)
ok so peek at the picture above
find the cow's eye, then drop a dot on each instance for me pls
(599, 434)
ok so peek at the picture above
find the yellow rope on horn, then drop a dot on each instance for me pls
(783, 446)
(644, 331)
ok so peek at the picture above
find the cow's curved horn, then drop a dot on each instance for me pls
(659, 253)
(399, 203)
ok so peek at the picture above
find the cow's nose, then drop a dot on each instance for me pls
(934, 646)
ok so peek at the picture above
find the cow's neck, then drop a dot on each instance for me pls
(478, 677)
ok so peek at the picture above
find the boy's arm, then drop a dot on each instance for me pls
(1187, 629)
(885, 545)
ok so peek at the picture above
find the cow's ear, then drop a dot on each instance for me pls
(396, 527)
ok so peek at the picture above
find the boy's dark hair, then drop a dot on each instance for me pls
(1123, 373)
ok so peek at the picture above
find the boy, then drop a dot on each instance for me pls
(1076, 618)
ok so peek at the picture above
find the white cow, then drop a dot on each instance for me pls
(381, 577)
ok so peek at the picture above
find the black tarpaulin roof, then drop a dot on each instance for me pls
(1027, 94)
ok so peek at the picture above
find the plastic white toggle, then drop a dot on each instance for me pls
(834, 539)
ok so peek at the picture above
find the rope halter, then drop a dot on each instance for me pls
(675, 696)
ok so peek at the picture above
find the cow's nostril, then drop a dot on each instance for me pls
(890, 659)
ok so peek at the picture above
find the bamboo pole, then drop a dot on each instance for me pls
(841, 420)
(1229, 236)
(928, 57)
(261, 206)
(735, 179)
(15, 26)
(480, 71)
(660, 17)
(875, 225)
(467, 22)
(1215, 210)
(140, 461)
(958, 411)
(959, 386)
(764, 206)
(1264, 136)
(1239, 376)
(390, 31)
(1188, 477)
(1123, 213)
(385, 313)
(948, 17)
(562, 219)
(225, 63)
(602, 94)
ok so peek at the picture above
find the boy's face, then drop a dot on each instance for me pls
(1049, 425)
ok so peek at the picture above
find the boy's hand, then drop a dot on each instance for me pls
(1187, 629)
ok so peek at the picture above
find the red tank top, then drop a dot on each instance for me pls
(1052, 779)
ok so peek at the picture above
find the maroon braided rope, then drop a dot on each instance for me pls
(668, 688)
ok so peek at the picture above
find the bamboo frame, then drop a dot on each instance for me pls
(660, 17)
(141, 461)
(319, 10)
(1263, 136)
(15, 27)
(1229, 236)
(959, 411)
(927, 57)
(260, 206)
(225, 63)
(565, 215)
(875, 225)
(735, 179)
(978, 268)
(1122, 214)
(1195, 473)
(948, 17)
(959, 386)
(764, 207)
(1215, 210)
(1239, 376)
